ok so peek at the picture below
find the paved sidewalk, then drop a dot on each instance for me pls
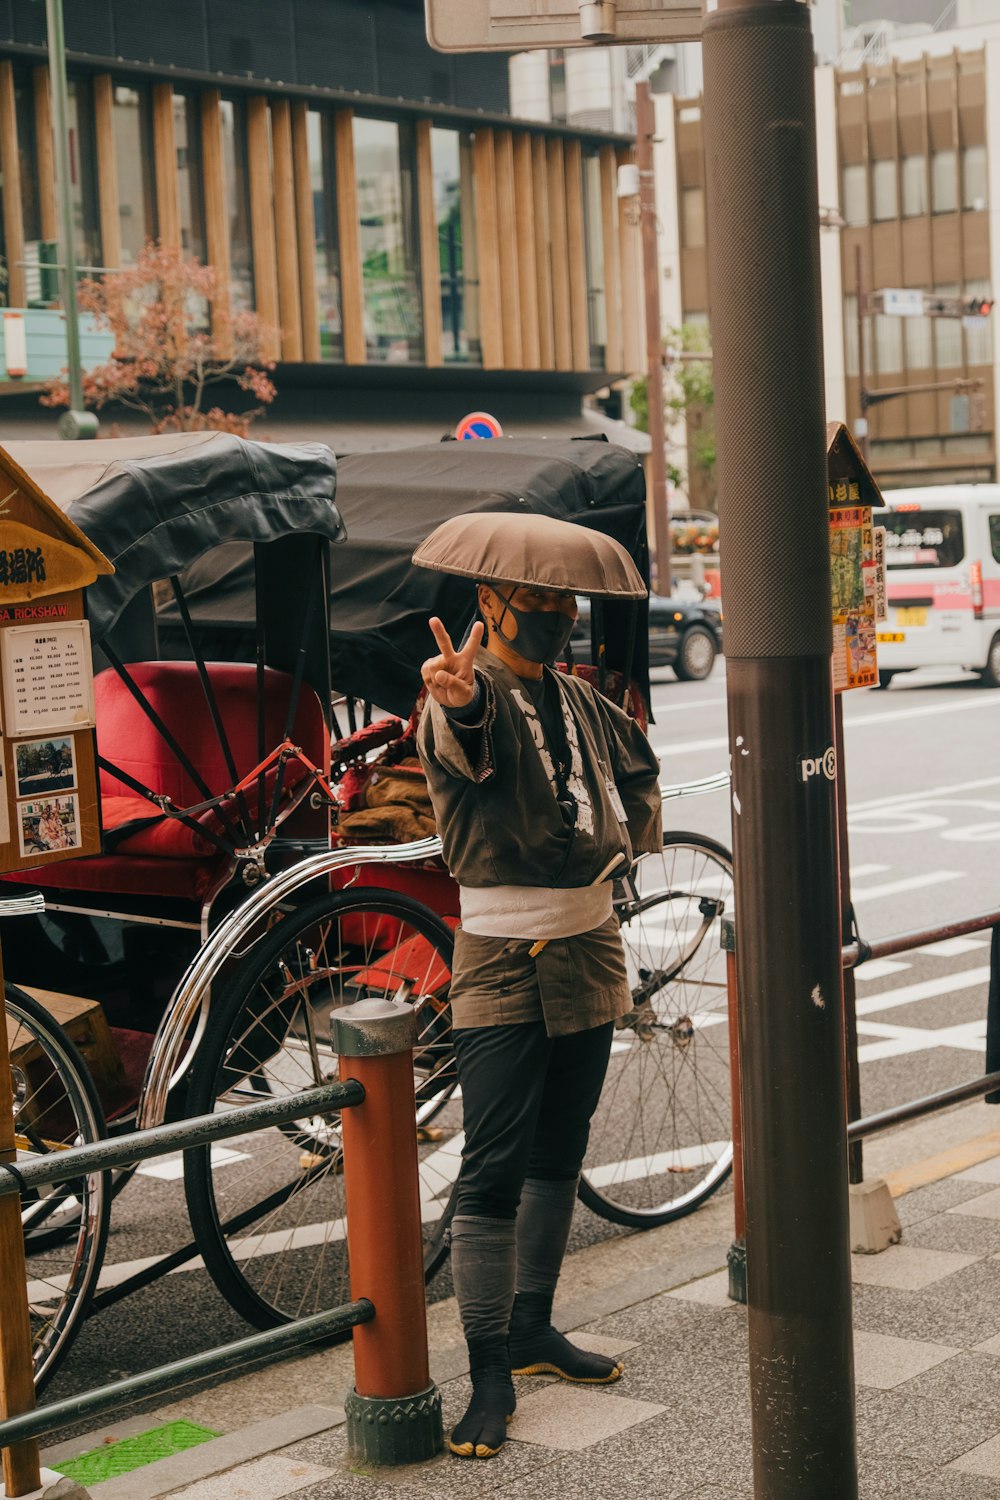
(676, 1427)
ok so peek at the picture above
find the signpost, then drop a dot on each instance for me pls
(518, 25)
(48, 813)
(478, 424)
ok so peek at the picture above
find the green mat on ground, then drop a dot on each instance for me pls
(131, 1453)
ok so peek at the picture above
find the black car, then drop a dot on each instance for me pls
(685, 634)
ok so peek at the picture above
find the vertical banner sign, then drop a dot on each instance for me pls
(48, 791)
(857, 565)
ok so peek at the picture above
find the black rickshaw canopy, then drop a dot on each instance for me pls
(390, 502)
(155, 505)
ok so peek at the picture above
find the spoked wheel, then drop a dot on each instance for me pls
(65, 1226)
(268, 1211)
(660, 1141)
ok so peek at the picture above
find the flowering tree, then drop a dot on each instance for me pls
(175, 338)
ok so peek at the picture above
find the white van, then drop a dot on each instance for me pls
(943, 580)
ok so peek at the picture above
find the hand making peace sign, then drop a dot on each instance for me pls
(450, 677)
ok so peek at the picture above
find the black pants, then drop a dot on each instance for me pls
(528, 1100)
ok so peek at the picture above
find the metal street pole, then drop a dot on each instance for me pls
(76, 422)
(861, 426)
(763, 211)
(645, 130)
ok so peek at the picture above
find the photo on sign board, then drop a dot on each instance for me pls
(45, 765)
(48, 824)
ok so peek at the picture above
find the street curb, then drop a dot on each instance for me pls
(944, 1164)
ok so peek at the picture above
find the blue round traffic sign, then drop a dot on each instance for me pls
(478, 424)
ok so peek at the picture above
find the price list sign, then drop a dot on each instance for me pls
(48, 677)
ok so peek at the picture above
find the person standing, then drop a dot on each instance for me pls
(543, 791)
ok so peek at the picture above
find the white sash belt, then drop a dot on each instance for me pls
(534, 911)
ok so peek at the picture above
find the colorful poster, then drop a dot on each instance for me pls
(854, 588)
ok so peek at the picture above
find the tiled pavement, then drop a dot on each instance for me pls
(677, 1427)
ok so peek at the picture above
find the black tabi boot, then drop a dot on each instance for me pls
(536, 1348)
(482, 1432)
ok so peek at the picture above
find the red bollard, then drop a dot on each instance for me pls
(394, 1408)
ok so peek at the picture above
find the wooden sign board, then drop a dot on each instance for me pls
(856, 568)
(520, 25)
(48, 792)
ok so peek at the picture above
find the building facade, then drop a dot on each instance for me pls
(909, 169)
(373, 201)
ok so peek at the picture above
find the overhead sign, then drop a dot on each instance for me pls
(903, 302)
(478, 424)
(520, 25)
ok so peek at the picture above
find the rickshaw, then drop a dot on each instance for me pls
(269, 855)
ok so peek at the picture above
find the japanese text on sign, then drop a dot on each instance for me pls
(48, 679)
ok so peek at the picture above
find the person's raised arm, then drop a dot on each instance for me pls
(450, 677)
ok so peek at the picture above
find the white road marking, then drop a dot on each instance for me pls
(677, 708)
(858, 872)
(171, 1168)
(897, 1040)
(925, 989)
(880, 968)
(655, 1166)
(898, 799)
(955, 947)
(910, 883)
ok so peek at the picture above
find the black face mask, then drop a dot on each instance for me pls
(542, 634)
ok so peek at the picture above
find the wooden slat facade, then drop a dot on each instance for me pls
(522, 291)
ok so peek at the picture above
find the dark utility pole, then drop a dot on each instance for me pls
(763, 213)
(645, 131)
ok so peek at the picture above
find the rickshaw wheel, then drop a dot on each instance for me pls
(660, 1140)
(269, 1212)
(66, 1226)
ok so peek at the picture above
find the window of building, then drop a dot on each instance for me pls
(918, 341)
(454, 214)
(913, 171)
(234, 156)
(947, 335)
(24, 106)
(979, 331)
(944, 182)
(974, 192)
(884, 200)
(83, 173)
(593, 226)
(855, 194)
(190, 190)
(693, 218)
(557, 85)
(326, 235)
(133, 129)
(889, 345)
(385, 164)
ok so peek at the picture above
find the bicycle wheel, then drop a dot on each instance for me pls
(269, 1212)
(65, 1226)
(660, 1140)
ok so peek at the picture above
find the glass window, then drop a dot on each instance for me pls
(326, 240)
(557, 85)
(995, 537)
(884, 204)
(889, 344)
(922, 538)
(24, 105)
(82, 172)
(914, 186)
(855, 190)
(234, 155)
(134, 158)
(454, 214)
(944, 182)
(919, 341)
(693, 218)
(979, 331)
(385, 159)
(593, 224)
(187, 140)
(974, 192)
(947, 335)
